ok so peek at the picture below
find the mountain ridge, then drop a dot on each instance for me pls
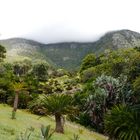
(68, 54)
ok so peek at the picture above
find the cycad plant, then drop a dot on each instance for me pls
(123, 123)
(59, 105)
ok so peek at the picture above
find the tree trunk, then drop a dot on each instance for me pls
(15, 105)
(59, 127)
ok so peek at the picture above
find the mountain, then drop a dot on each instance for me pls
(118, 39)
(68, 55)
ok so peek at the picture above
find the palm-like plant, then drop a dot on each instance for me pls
(123, 123)
(17, 88)
(58, 105)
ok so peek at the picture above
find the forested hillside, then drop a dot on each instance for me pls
(102, 95)
(68, 55)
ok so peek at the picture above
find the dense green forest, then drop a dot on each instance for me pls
(102, 95)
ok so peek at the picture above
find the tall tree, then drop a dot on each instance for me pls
(41, 71)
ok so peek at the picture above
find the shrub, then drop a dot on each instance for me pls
(37, 107)
(24, 99)
(25, 135)
(123, 123)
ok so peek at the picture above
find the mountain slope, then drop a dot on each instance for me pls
(19, 49)
(68, 54)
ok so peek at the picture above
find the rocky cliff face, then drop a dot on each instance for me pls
(68, 55)
(125, 39)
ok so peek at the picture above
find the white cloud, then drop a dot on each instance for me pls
(66, 20)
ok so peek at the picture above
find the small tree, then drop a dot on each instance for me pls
(58, 105)
(2, 53)
(17, 88)
(89, 61)
(41, 71)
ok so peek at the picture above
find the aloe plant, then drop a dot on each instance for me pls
(75, 137)
(26, 135)
(46, 132)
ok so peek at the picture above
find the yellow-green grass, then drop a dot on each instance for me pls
(10, 129)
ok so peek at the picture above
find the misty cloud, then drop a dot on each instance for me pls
(61, 34)
(51, 21)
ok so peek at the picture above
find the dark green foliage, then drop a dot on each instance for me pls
(123, 123)
(136, 88)
(136, 85)
(5, 90)
(24, 99)
(36, 106)
(89, 74)
(41, 71)
(89, 61)
(81, 116)
(21, 68)
(115, 63)
(32, 84)
(2, 53)
(59, 105)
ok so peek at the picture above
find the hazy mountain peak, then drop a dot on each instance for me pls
(68, 54)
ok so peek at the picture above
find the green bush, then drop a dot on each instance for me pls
(37, 107)
(24, 99)
(123, 123)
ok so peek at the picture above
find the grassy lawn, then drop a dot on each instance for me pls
(10, 129)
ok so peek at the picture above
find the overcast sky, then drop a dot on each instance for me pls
(52, 21)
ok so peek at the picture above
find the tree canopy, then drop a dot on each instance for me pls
(2, 53)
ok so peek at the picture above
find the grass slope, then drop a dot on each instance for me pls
(10, 129)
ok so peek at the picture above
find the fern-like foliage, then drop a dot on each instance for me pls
(123, 123)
